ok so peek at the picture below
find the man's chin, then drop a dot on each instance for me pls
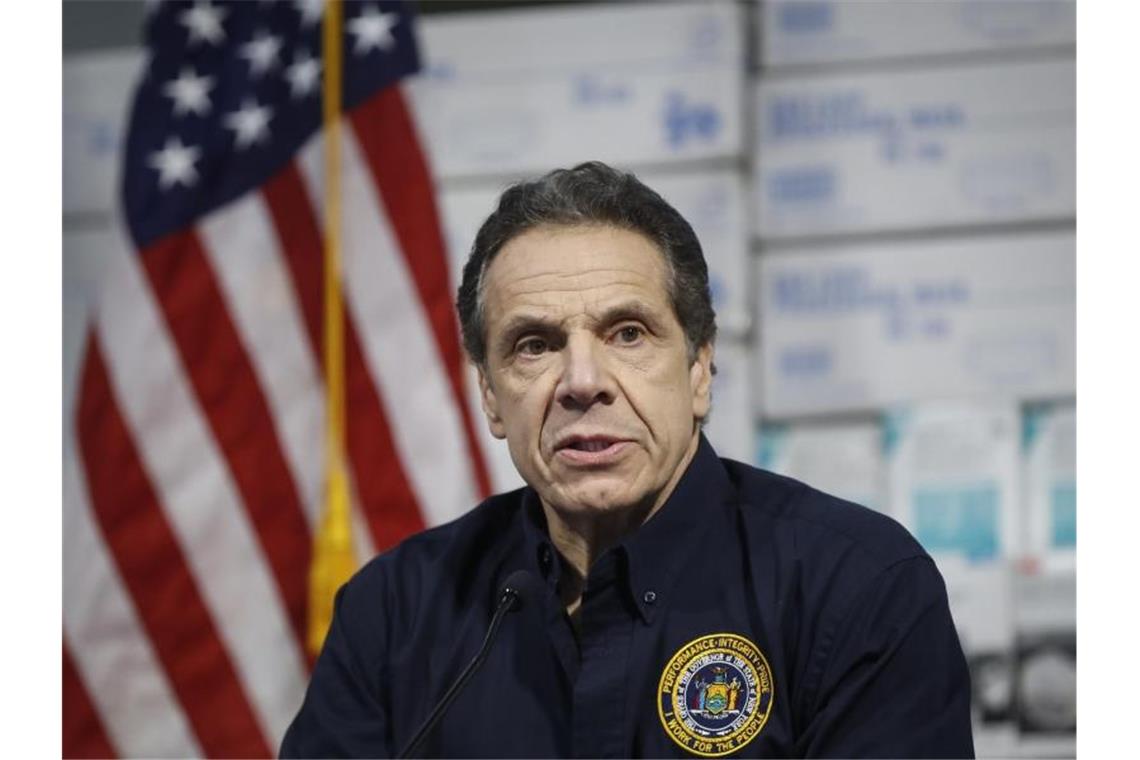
(600, 494)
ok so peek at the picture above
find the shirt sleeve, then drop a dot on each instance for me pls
(894, 682)
(343, 714)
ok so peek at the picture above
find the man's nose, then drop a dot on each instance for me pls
(586, 380)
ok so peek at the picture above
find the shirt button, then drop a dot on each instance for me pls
(545, 558)
(650, 597)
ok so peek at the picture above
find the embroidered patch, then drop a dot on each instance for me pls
(715, 694)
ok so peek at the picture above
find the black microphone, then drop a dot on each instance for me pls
(520, 588)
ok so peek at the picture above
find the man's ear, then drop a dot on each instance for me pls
(490, 405)
(700, 380)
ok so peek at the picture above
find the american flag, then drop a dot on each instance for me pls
(195, 477)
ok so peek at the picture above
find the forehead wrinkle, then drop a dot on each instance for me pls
(613, 275)
(560, 306)
(539, 292)
(525, 251)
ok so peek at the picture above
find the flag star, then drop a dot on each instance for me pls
(204, 22)
(310, 10)
(303, 75)
(261, 52)
(189, 92)
(250, 123)
(373, 30)
(175, 163)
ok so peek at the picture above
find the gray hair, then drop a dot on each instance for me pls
(591, 194)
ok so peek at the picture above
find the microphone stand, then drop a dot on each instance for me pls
(507, 602)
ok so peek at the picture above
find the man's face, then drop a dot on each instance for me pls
(588, 375)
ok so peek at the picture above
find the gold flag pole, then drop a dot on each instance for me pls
(333, 559)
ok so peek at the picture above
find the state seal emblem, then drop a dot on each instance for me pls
(715, 694)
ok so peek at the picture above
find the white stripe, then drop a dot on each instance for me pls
(398, 342)
(244, 249)
(199, 496)
(361, 532)
(110, 647)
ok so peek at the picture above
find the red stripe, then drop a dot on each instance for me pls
(154, 569)
(83, 733)
(234, 404)
(387, 135)
(388, 501)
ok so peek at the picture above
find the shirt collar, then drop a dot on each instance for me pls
(660, 548)
(541, 555)
(657, 551)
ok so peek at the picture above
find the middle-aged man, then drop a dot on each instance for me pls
(679, 604)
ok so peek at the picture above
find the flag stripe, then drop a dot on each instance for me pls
(390, 144)
(108, 643)
(384, 492)
(83, 734)
(240, 244)
(397, 344)
(152, 564)
(198, 495)
(298, 235)
(390, 506)
(231, 398)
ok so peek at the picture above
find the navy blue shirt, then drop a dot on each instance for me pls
(751, 616)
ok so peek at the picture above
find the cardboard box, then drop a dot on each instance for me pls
(915, 148)
(839, 31)
(872, 325)
(730, 427)
(1049, 451)
(844, 459)
(953, 473)
(97, 92)
(520, 92)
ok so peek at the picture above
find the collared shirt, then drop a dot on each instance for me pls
(751, 616)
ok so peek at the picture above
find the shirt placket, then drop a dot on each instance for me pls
(601, 688)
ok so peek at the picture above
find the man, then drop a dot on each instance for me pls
(684, 605)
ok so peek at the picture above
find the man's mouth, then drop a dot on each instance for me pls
(591, 445)
(590, 450)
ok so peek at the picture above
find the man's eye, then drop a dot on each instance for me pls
(533, 346)
(629, 334)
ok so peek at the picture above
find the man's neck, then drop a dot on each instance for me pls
(582, 538)
(581, 542)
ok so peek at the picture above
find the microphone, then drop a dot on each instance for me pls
(520, 589)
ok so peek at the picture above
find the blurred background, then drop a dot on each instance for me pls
(885, 192)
